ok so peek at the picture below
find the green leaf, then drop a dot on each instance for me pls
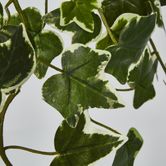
(126, 155)
(1, 15)
(104, 42)
(141, 78)
(80, 35)
(114, 8)
(132, 42)
(76, 147)
(48, 46)
(163, 2)
(17, 60)
(33, 17)
(80, 86)
(80, 13)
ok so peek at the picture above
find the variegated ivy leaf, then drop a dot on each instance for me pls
(163, 2)
(33, 17)
(80, 86)
(17, 60)
(141, 78)
(79, 147)
(1, 15)
(114, 8)
(126, 155)
(132, 42)
(80, 35)
(78, 11)
(47, 45)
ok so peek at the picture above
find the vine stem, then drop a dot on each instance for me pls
(107, 26)
(157, 55)
(30, 150)
(125, 90)
(2, 118)
(104, 126)
(18, 9)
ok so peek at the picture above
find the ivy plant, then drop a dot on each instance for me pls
(124, 49)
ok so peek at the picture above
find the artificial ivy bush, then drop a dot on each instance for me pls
(126, 51)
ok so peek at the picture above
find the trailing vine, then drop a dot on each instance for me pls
(125, 50)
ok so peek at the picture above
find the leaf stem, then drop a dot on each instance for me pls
(2, 118)
(31, 150)
(104, 126)
(46, 6)
(125, 90)
(50, 65)
(158, 55)
(107, 26)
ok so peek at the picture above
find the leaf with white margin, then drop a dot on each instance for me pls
(17, 60)
(80, 35)
(141, 78)
(132, 42)
(47, 46)
(78, 11)
(126, 155)
(77, 147)
(80, 86)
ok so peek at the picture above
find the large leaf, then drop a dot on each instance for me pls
(80, 13)
(80, 87)
(132, 42)
(114, 8)
(80, 35)
(126, 155)
(48, 46)
(33, 17)
(76, 147)
(17, 60)
(1, 15)
(141, 78)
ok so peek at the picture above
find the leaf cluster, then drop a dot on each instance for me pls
(28, 47)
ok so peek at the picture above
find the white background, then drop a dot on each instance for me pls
(32, 123)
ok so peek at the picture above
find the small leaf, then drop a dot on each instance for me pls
(47, 46)
(80, 35)
(141, 78)
(78, 148)
(33, 17)
(17, 60)
(80, 13)
(132, 42)
(1, 15)
(126, 155)
(114, 8)
(80, 87)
